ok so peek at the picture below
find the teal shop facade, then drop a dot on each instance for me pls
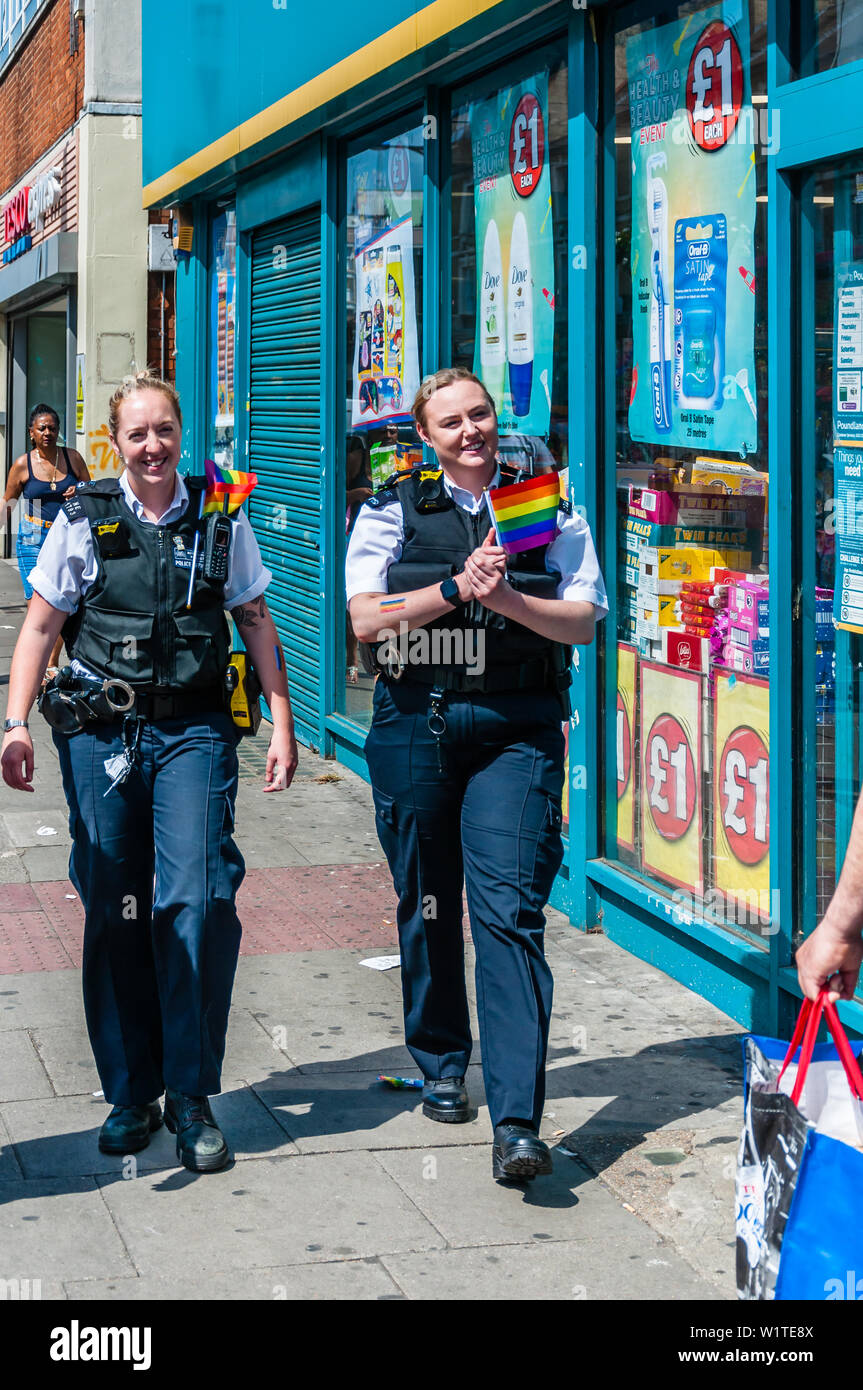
(290, 143)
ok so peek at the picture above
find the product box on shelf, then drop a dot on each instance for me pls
(749, 641)
(659, 609)
(656, 535)
(628, 570)
(670, 565)
(681, 649)
(741, 659)
(728, 574)
(729, 477)
(684, 505)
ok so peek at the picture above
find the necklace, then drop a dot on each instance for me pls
(53, 479)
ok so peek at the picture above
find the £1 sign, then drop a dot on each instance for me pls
(744, 793)
(669, 769)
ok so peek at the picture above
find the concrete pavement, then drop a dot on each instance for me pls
(340, 1188)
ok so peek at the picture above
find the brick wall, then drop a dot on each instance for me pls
(154, 299)
(40, 94)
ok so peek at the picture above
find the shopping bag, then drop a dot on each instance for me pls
(800, 1164)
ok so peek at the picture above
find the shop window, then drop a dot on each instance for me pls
(689, 461)
(383, 315)
(836, 416)
(509, 246)
(830, 34)
(222, 321)
(509, 261)
(46, 364)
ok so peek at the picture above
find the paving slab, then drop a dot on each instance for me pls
(38, 829)
(251, 1051)
(65, 1054)
(642, 1268)
(41, 999)
(22, 1075)
(454, 1188)
(58, 1137)
(45, 865)
(301, 1210)
(360, 1280)
(10, 1168)
(289, 981)
(335, 1112)
(59, 1229)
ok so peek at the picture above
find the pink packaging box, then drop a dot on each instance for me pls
(747, 639)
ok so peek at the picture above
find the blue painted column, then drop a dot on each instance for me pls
(584, 484)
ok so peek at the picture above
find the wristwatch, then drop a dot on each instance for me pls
(449, 591)
(14, 724)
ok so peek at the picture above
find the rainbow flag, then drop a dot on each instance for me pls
(225, 483)
(525, 514)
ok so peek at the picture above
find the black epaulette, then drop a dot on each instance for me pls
(565, 506)
(387, 491)
(103, 487)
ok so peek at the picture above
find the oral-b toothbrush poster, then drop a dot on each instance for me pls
(693, 233)
(514, 341)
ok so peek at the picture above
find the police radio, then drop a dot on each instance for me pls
(217, 547)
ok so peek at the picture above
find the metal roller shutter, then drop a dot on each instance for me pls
(285, 446)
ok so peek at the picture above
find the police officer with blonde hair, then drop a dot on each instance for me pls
(467, 766)
(147, 750)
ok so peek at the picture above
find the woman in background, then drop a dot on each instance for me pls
(45, 476)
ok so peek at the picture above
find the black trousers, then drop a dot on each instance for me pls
(490, 821)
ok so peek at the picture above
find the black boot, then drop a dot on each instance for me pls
(519, 1153)
(446, 1100)
(201, 1145)
(128, 1128)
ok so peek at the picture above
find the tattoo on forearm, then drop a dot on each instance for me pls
(250, 614)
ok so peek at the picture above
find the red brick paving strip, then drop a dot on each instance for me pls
(320, 908)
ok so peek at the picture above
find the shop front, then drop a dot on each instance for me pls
(639, 224)
(38, 291)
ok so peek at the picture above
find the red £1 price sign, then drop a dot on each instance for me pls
(670, 772)
(744, 795)
(526, 145)
(714, 86)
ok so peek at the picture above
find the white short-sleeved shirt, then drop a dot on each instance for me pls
(67, 564)
(378, 537)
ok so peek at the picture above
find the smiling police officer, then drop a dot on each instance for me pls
(467, 767)
(147, 749)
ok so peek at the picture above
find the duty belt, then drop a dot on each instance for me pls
(208, 701)
(530, 675)
(82, 702)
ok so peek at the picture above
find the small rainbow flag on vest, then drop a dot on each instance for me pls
(227, 489)
(525, 514)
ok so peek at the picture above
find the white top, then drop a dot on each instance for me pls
(378, 536)
(67, 563)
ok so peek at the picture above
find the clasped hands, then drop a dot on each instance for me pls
(484, 576)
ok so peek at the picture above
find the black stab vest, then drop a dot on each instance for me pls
(132, 624)
(436, 544)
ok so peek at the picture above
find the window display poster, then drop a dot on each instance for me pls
(222, 313)
(741, 793)
(386, 359)
(693, 233)
(627, 666)
(848, 445)
(514, 341)
(672, 812)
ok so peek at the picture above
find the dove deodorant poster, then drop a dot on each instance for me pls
(693, 233)
(514, 254)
